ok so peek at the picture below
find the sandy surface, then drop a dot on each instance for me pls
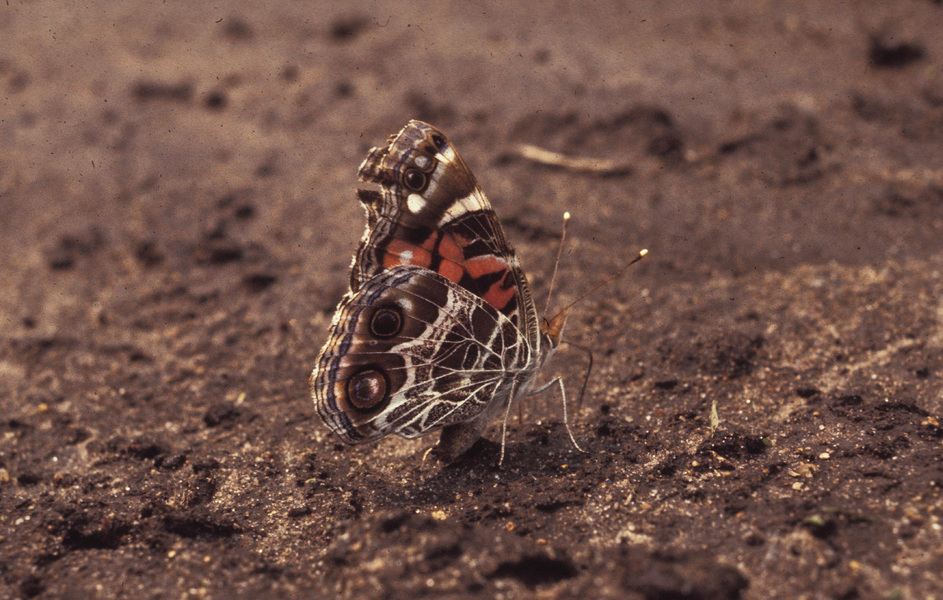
(178, 217)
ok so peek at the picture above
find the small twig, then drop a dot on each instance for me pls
(599, 166)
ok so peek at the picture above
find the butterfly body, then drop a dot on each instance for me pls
(439, 330)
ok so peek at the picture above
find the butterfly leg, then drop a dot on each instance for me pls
(504, 425)
(566, 419)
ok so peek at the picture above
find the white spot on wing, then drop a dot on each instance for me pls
(447, 155)
(415, 203)
(472, 202)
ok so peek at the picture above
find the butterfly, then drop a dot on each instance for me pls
(439, 330)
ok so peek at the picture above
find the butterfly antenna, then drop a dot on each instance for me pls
(556, 265)
(640, 256)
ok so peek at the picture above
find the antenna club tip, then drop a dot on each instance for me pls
(643, 252)
(566, 216)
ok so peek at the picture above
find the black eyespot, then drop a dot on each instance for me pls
(386, 322)
(367, 389)
(414, 180)
(439, 142)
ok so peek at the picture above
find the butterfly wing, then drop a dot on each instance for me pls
(410, 352)
(431, 213)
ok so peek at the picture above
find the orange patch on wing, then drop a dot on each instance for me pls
(429, 242)
(399, 252)
(483, 265)
(451, 265)
(451, 250)
(499, 294)
(451, 271)
(453, 259)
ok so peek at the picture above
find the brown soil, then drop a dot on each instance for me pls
(176, 198)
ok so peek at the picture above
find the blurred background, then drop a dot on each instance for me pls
(177, 218)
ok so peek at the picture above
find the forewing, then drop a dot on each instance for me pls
(431, 213)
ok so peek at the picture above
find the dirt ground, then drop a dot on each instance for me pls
(178, 217)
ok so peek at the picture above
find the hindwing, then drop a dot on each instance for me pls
(411, 352)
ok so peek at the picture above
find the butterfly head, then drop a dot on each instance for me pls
(552, 328)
